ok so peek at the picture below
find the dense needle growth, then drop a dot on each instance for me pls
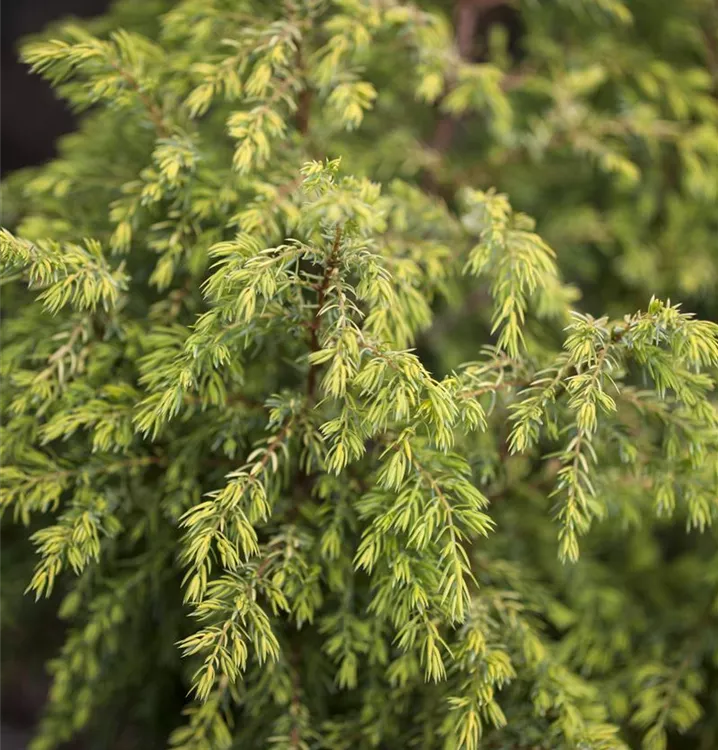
(310, 428)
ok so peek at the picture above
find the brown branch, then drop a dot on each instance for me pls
(56, 358)
(261, 569)
(304, 104)
(153, 110)
(466, 17)
(283, 192)
(274, 444)
(321, 294)
(491, 388)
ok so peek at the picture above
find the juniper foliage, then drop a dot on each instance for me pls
(302, 415)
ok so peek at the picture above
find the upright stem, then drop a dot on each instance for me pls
(316, 321)
(304, 103)
(466, 16)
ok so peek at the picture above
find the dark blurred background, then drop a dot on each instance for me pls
(31, 119)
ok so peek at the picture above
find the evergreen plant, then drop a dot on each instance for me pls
(309, 435)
